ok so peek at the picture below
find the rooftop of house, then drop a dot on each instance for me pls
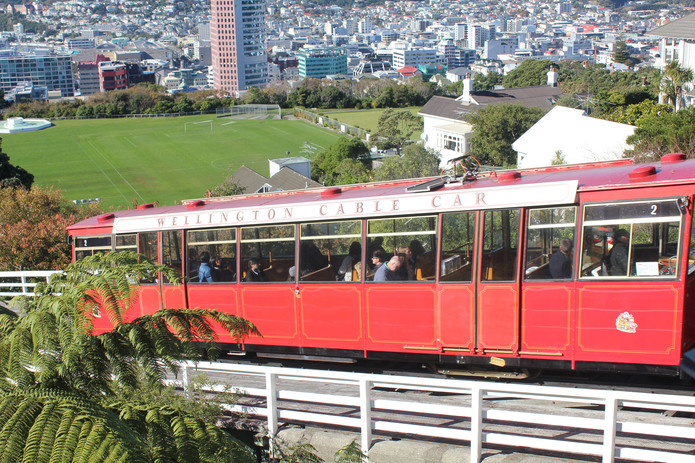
(541, 96)
(683, 28)
(285, 179)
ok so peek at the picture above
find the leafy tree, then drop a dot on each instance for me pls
(59, 381)
(620, 53)
(486, 81)
(350, 171)
(13, 176)
(34, 226)
(329, 165)
(386, 99)
(417, 161)
(568, 101)
(397, 127)
(664, 132)
(454, 89)
(529, 73)
(496, 127)
(633, 113)
(229, 187)
(673, 78)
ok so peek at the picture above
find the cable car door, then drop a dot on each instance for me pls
(497, 294)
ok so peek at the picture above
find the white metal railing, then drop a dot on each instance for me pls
(22, 282)
(606, 423)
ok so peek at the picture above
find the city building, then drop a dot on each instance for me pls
(80, 44)
(88, 75)
(41, 67)
(321, 62)
(113, 75)
(370, 67)
(463, 58)
(415, 56)
(448, 49)
(237, 36)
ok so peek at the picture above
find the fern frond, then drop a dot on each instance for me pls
(15, 430)
(33, 442)
(61, 450)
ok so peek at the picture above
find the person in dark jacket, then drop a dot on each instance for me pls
(560, 265)
(618, 254)
(255, 272)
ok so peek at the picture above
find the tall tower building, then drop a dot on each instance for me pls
(237, 35)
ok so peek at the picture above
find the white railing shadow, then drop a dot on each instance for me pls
(608, 424)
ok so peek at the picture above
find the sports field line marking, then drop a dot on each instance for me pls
(227, 123)
(116, 170)
(105, 175)
(131, 142)
(280, 130)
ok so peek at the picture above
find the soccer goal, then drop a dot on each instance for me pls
(192, 125)
(252, 111)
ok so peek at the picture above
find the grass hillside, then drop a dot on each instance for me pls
(367, 118)
(154, 159)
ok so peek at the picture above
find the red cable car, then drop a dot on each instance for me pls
(588, 267)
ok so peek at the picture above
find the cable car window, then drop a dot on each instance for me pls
(127, 242)
(691, 252)
(500, 245)
(412, 239)
(638, 239)
(171, 251)
(147, 245)
(550, 243)
(268, 254)
(331, 251)
(458, 245)
(215, 251)
(90, 245)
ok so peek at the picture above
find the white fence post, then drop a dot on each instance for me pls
(476, 424)
(272, 409)
(184, 379)
(366, 414)
(609, 427)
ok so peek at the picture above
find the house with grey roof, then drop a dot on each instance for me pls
(445, 128)
(678, 44)
(286, 178)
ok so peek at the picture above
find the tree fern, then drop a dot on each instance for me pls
(15, 430)
(32, 445)
(50, 364)
(351, 453)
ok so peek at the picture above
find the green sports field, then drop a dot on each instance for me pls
(155, 159)
(367, 118)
